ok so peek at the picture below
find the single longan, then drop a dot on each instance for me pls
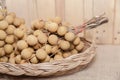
(4, 59)
(2, 52)
(62, 30)
(41, 54)
(2, 35)
(32, 40)
(9, 19)
(34, 60)
(18, 59)
(64, 45)
(18, 33)
(10, 29)
(9, 39)
(57, 20)
(42, 38)
(52, 27)
(26, 53)
(22, 44)
(53, 39)
(69, 36)
(8, 48)
(80, 46)
(3, 25)
(58, 57)
(76, 41)
(66, 54)
(17, 22)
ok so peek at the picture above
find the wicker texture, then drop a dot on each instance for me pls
(59, 67)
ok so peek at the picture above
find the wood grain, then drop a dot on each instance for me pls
(75, 12)
(116, 31)
(46, 8)
(105, 32)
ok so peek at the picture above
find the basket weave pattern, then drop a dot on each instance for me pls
(58, 67)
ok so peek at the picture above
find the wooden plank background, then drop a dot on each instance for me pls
(75, 12)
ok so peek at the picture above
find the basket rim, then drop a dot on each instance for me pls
(50, 68)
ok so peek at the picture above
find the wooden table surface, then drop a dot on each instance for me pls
(106, 66)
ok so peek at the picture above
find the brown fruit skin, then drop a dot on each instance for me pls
(2, 35)
(32, 40)
(8, 48)
(18, 59)
(52, 27)
(66, 54)
(62, 30)
(17, 22)
(57, 20)
(10, 29)
(53, 39)
(58, 57)
(9, 19)
(48, 48)
(19, 33)
(47, 59)
(12, 14)
(2, 43)
(38, 24)
(69, 36)
(80, 46)
(64, 45)
(41, 54)
(4, 59)
(10, 39)
(12, 60)
(34, 60)
(74, 51)
(76, 41)
(2, 52)
(26, 53)
(22, 44)
(42, 38)
(3, 25)
(1, 17)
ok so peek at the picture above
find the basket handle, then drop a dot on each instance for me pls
(90, 24)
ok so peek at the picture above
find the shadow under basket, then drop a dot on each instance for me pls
(68, 65)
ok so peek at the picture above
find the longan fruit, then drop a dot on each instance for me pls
(10, 39)
(2, 43)
(64, 45)
(3, 25)
(80, 46)
(9, 19)
(10, 29)
(17, 22)
(22, 44)
(2, 35)
(26, 53)
(8, 48)
(41, 54)
(62, 30)
(2, 52)
(32, 40)
(53, 39)
(69, 36)
(18, 33)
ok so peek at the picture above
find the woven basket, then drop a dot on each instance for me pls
(68, 65)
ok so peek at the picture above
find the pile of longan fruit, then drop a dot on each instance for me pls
(47, 40)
